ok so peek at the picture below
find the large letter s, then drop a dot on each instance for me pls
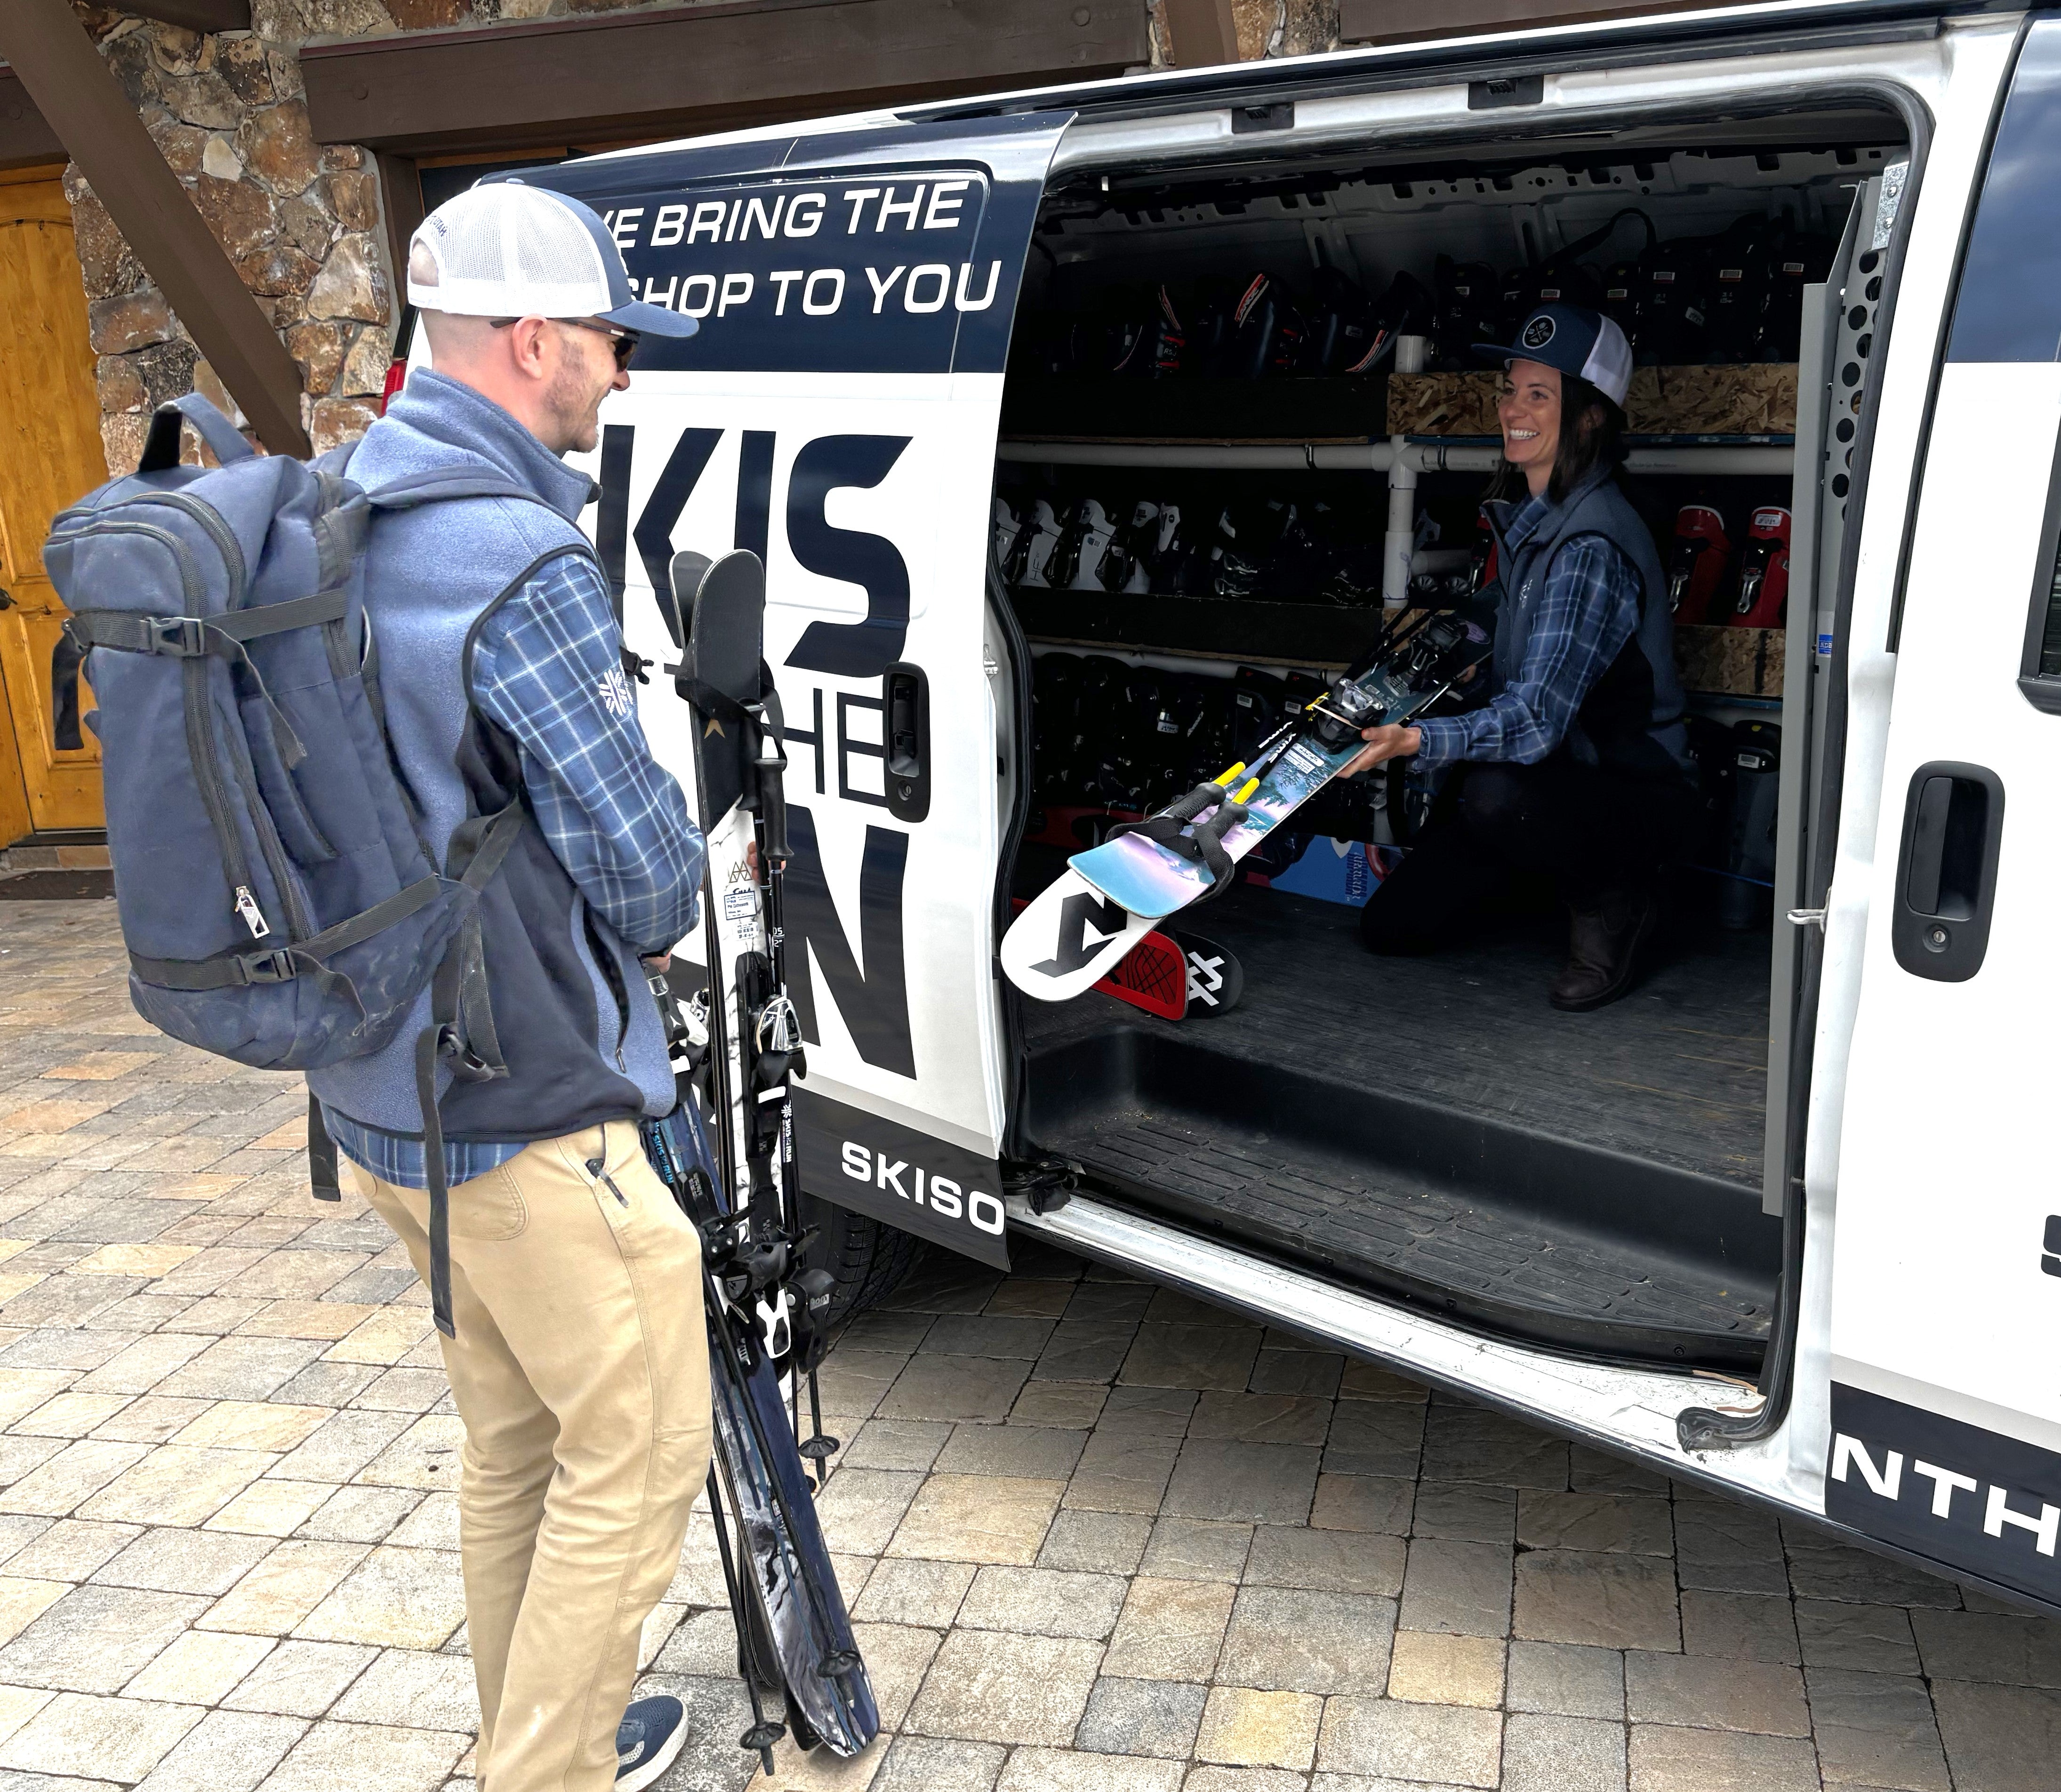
(863, 649)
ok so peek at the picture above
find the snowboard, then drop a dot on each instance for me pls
(794, 1633)
(1108, 900)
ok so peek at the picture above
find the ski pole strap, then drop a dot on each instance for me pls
(707, 698)
(1205, 846)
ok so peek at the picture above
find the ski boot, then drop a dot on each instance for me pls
(1763, 592)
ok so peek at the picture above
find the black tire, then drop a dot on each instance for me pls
(867, 1259)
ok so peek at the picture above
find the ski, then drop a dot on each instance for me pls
(740, 1043)
(1082, 926)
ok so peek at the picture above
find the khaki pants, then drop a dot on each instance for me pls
(580, 1371)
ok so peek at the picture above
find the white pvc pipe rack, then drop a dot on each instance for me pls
(1400, 458)
(1379, 457)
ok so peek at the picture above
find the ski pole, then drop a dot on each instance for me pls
(763, 1733)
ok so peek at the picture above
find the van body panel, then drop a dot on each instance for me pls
(1944, 1412)
(837, 415)
(774, 429)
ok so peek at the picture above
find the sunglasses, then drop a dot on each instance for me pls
(622, 341)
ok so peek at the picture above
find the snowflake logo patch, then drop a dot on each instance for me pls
(615, 692)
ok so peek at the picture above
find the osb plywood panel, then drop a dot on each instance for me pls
(1731, 661)
(1758, 399)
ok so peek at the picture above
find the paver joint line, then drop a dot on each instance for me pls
(1096, 1536)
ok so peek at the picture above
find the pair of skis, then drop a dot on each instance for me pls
(738, 1044)
(1109, 898)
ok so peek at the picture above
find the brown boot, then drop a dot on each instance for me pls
(1602, 949)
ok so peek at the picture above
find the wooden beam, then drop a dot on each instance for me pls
(48, 48)
(1201, 34)
(681, 70)
(400, 209)
(26, 140)
(195, 15)
(1400, 21)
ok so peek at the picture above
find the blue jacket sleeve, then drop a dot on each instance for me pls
(547, 666)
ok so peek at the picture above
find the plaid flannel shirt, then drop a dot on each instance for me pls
(547, 666)
(1588, 610)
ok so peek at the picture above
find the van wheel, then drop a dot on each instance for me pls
(867, 1259)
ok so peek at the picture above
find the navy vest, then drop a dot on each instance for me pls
(577, 1028)
(1631, 721)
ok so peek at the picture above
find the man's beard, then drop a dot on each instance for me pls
(573, 407)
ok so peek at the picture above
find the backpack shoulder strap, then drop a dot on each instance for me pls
(436, 486)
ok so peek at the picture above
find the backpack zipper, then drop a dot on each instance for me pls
(215, 795)
(275, 853)
(216, 531)
(200, 746)
(212, 524)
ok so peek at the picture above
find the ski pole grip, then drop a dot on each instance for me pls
(773, 818)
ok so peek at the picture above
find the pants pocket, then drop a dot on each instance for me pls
(491, 1208)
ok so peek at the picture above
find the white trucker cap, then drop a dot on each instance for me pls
(506, 249)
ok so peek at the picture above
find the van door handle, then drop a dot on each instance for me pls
(1945, 875)
(905, 709)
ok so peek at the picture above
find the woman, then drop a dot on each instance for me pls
(1577, 763)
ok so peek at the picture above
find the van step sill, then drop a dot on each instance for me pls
(1441, 1252)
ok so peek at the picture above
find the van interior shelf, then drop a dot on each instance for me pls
(1319, 636)
(1772, 454)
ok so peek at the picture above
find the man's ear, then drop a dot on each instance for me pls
(530, 345)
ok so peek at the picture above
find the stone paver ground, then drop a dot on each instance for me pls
(1095, 1536)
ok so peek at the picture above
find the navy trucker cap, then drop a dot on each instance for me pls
(504, 249)
(1574, 339)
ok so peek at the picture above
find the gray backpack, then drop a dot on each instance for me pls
(278, 901)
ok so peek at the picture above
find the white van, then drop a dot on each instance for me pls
(1780, 1221)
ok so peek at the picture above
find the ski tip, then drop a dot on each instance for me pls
(1226, 779)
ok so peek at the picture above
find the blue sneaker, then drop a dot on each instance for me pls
(648, 1740)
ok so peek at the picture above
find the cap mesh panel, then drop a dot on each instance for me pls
(505, 250)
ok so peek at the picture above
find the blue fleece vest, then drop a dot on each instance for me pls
(1630, 719)
(577, 1028)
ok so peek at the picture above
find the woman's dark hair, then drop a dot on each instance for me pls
(1592, 435)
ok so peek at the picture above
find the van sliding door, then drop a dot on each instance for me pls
(1945, 1380)
(837, 415)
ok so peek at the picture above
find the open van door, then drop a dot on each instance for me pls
(837, 416)
(1945, 1436)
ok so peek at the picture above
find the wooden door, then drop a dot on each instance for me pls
(50, 453)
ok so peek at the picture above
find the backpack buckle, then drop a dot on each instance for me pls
(181, 637)
(268, 967)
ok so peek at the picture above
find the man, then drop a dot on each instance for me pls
(1577, 764)
(579, 1362)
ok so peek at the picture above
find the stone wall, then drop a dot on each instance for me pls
(1266, 28)
(300, 222)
